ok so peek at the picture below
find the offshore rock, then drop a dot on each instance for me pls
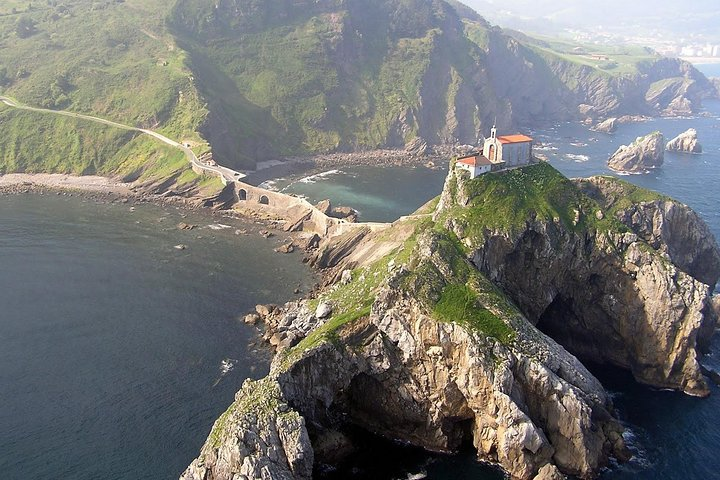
(686, 142)
(645, 153)
(608, 126)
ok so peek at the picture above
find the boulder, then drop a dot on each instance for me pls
(324, 206)
(608, 126)
(324, 310)
(686, 142)
(645, 153)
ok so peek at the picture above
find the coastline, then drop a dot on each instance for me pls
(28, 182)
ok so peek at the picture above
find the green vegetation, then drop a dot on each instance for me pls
(613, 60)
(459, 304)
(508, 200)
(111, 59)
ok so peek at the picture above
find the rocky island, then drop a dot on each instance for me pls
(464, 325)
(645, 153)
(686, 142)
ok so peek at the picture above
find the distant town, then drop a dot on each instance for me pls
(693, 47)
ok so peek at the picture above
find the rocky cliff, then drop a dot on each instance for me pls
(338, 75)
(645, 153)
(686, 142)
(438, 333)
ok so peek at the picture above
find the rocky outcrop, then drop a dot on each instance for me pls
(686, 142)
(259, 436)
(524, 403)
(598, 286)
(421, 345)
(607, 126)
(645, 153)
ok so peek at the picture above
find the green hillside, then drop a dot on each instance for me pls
(252, 80)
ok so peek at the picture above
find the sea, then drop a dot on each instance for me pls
(118, 350)
(672, 436)
(121, 339)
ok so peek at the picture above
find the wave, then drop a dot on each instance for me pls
(218, 226)
(317, 176)
(577, 158)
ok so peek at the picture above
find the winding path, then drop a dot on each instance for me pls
(225, 174)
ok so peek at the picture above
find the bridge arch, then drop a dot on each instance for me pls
(264, 200)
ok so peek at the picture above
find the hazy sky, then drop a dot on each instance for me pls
(681, 16)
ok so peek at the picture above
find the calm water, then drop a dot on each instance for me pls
(112, 340)
(673, 436)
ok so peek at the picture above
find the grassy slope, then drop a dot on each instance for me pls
(110, 59)
(295, 70)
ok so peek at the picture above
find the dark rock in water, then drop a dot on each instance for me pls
(645, 153)
(266, 233)
(686, 142)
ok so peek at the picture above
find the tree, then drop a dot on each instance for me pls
(25, 27)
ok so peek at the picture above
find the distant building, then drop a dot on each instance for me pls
(513, 150)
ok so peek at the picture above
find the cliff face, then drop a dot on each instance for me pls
(397, 370)
(613, 280)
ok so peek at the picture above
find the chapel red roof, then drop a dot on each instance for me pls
(514, 139)
(475, 160)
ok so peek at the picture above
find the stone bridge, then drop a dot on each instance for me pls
(298, 213)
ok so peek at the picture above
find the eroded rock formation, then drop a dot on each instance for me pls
(446, 339)
(686, 142)
(645, 153)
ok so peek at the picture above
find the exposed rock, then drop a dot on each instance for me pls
(180, 247)
(331, 253)
(346, 277)
(549, 472)
(296, 223)
(612, 296)
(309, 242)
(286, 248)
(608, 126)
(686, 142)
(186, 226)
(259, 436)
(264, 310)
(324, 206)
(417, 147)
(324, 310)
(344, 212)
(251, 318)
(645, 153)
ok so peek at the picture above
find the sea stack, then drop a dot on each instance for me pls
(686, 142)
(645, 153)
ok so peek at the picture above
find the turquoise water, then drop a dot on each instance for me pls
(673, 436)
(112, 341)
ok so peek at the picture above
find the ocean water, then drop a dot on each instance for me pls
(117, 350)
(673, 436)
